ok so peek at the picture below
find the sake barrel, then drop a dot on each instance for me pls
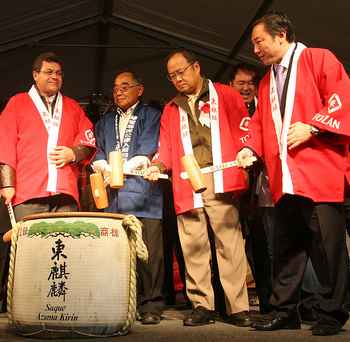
(70, 275)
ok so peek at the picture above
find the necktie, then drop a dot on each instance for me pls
(191, 102)
(280, 79)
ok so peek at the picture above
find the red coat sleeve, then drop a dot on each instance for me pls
(164, 149)
(85, 134)
(254, 141)
(334, 87)
(8, 134)
(238, 116)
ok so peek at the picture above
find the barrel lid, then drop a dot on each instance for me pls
(73, 214)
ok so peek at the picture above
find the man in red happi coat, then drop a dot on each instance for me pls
(301, 129)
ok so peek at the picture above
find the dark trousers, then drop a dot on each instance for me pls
(172, 244)
(268, 221)
(262, 257)
(5, 225)
(316, 230)
(259, 232)
(151, 273)
(56, 203)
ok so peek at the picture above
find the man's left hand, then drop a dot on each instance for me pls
(136, 163)
(298, 133)
(61, 156)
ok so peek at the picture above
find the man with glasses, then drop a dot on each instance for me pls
(133, 129)
(245, 81)
(205, 120)
(256, 206)
(43, 136)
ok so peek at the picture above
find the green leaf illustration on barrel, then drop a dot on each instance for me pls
(75, 229)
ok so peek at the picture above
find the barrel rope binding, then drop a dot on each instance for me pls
(11, 273)
(137, 249)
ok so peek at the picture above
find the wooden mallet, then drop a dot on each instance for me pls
(194, 173)
(98, 189)
(116, 164)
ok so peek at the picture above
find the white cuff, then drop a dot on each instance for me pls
(100, 165)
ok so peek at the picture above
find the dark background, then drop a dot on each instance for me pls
(97, 37)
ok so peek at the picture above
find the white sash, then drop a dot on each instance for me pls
(281, 128)
(215, 140)
(52, 125)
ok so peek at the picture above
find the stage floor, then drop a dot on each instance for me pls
(171, 329)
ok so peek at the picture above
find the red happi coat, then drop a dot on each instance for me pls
(23, 146)
(232, 114)
(315, 169)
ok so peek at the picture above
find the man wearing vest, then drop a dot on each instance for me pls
(204, 119)
(300, 129)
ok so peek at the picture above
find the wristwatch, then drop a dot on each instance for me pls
(314, 130)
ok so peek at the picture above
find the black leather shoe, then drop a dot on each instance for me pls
(324, 329)
(277, 322)
(308, 316)
(199, 316)
(150, 318)
(240, 319)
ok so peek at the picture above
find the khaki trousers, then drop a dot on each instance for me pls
(221, 215)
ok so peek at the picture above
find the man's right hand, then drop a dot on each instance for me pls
(7, 194)
(103, 167)
(152, 173)
(245, 158)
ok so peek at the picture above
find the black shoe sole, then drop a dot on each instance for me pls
(286, 327)
(325, 333)
(150, 322)
(240, 325)
(198, 324)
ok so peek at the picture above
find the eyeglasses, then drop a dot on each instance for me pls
(125, 87)
(179, 73)
(50, 73)
(243, 83)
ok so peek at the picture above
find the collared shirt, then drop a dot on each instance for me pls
(191, 100)
(251, 106)
(49, 102)
(200, 135)
(124, 117)
(286, 58)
